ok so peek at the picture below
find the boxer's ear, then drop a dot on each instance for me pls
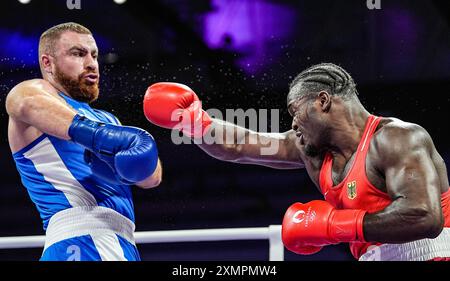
(324, 99)
(46, 64)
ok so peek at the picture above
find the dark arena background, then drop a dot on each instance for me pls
(233, 54)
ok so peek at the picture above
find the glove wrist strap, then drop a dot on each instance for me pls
(82, 131)
(197, 126)
(347, 225)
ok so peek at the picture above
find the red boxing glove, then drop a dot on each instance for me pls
(308, 227)
(306, 250)
(176, 106)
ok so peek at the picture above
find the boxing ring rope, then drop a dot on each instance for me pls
(271, 233)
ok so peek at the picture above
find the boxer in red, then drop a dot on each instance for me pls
(385, 186)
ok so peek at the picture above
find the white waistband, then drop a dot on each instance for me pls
(419, 250)
(87, 220)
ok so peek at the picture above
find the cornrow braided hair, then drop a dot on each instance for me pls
(324, 76)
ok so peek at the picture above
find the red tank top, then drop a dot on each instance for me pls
(356, 191)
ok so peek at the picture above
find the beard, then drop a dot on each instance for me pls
(311, 151)
(79, 89)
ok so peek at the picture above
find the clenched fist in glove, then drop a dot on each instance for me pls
(176, 106)
(308, 227)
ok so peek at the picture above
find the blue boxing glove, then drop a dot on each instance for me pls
(129, 151)
(102, 171)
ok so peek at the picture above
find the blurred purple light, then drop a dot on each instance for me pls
(402, 26)
(247, 27)
(401, 31)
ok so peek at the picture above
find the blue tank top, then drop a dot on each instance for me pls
(57, 177)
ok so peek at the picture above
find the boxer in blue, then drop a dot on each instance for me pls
(76, 162)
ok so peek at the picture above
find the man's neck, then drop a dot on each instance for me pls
(57, 86)
(348, 130)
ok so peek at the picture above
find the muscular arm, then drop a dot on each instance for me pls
(413, 184)
(34, 103)
(240, 145)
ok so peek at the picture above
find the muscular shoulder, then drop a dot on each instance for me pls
(29, 85)
(27, 89)
(395, 138)
(30, 88)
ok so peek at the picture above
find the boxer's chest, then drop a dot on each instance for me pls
(356, 185)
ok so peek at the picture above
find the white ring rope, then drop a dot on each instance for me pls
(271, 233)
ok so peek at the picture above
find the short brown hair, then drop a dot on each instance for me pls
(49, 37)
